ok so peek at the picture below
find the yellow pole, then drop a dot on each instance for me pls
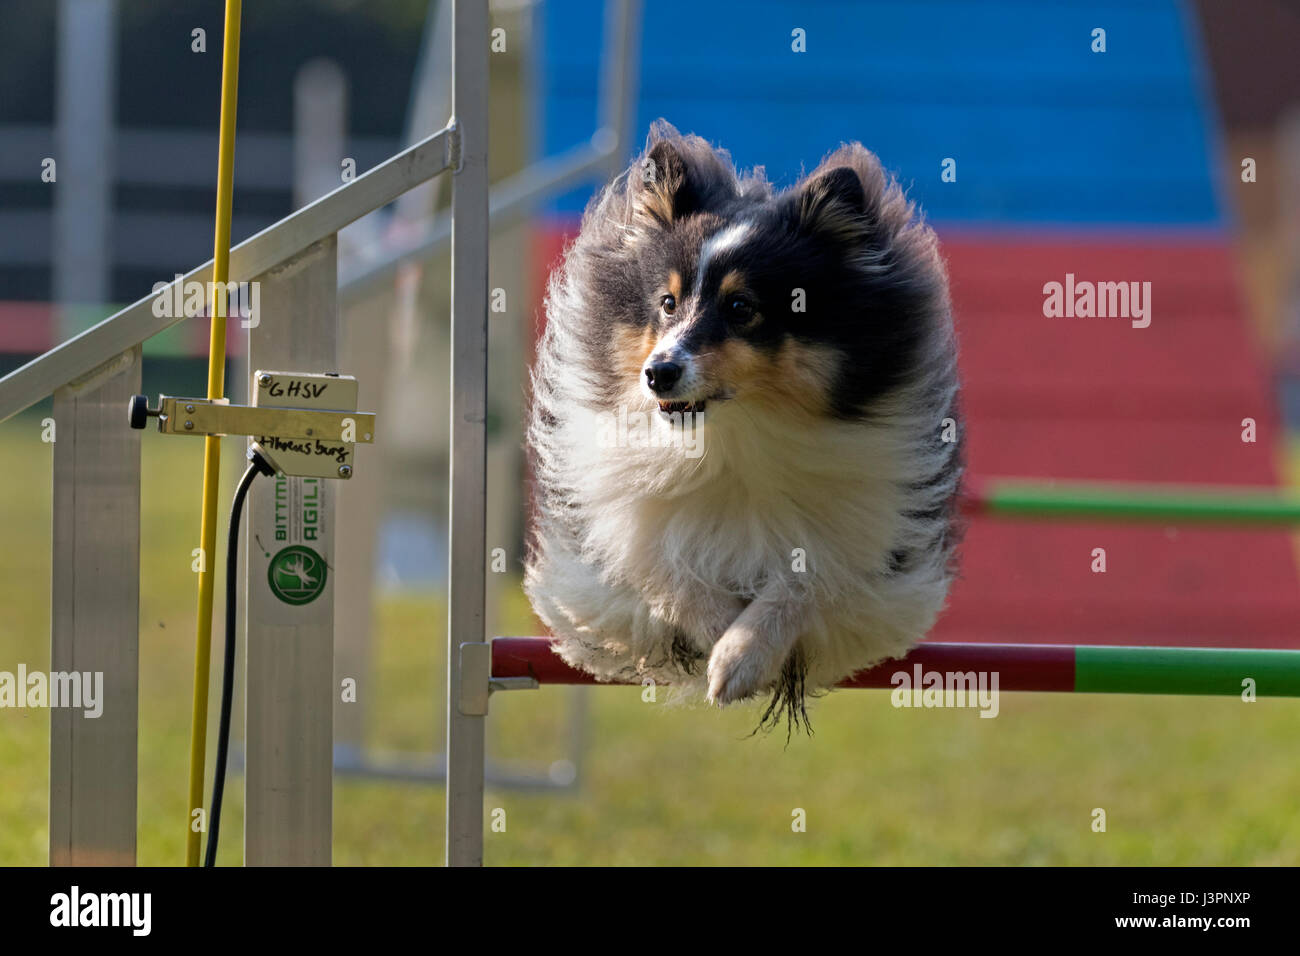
(212, 444)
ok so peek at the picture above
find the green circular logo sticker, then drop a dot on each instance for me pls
(297, 575)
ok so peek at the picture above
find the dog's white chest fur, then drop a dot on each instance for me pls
(676, 545)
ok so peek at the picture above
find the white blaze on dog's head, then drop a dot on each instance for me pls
(725, 240)
(670, 355)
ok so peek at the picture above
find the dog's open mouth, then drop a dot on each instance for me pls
(680, 408)
(694, 407)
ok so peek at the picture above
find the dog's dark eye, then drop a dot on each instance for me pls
(739, 309)
(668, 304)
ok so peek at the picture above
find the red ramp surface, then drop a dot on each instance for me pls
(1097, 399)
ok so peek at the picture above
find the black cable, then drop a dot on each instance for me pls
(258, 466)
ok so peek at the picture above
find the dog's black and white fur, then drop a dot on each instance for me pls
(808, 335)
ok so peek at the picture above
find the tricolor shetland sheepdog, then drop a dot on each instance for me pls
(745, 430)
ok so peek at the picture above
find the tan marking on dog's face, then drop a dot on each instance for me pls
(796, 379)
(675, 285)
(632, 347)
(732, 283)
(805, 375)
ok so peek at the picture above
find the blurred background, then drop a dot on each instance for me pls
(1171, 157)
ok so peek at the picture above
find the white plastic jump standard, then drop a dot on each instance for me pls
(289, 648)
(468, 665)
(95, 623)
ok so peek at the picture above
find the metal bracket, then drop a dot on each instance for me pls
(475, 671)
(476, 683)
(312, 442)
(202, 416)
(453, 145)
(512, 683)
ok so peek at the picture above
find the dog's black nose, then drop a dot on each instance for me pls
(662, 376)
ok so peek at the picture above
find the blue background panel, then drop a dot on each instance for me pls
(1044, 131)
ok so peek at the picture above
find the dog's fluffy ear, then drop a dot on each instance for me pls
(832, 202)
(663, 189)
(856, 206)
(677, 176)
(842, 198)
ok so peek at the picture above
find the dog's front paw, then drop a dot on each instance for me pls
(737, 668)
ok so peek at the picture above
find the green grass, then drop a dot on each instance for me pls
(1182, 780)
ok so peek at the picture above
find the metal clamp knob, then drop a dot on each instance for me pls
(139, 412)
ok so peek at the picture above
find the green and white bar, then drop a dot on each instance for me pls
(1165, 504)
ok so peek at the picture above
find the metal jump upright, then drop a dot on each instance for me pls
(97, 471)
(467, 542)
(96, 533)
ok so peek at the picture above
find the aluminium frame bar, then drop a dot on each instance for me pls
(513, 199)
(468, 674)
(277, 243)
(469, 671)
